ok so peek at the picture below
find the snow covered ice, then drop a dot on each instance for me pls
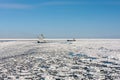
(84, 59)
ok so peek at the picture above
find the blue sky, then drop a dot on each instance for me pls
(60, 18)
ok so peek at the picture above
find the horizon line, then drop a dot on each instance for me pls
(60, 39)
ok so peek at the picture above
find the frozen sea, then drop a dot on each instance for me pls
(83, 59)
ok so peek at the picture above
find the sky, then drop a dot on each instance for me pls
(60, 18)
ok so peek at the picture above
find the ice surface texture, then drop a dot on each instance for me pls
(60, 60)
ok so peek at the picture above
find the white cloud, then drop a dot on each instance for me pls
(52, 3)
(14, 6)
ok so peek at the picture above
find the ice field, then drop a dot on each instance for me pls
(84, 59)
